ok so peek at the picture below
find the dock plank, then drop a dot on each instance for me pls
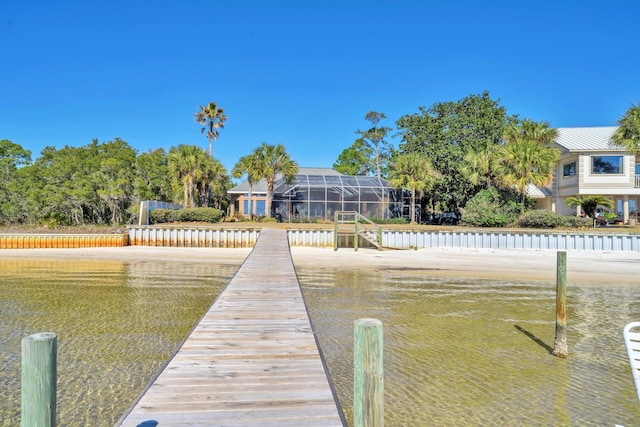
(252, 360)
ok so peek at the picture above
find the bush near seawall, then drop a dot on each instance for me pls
(547, 219)
(160, 216)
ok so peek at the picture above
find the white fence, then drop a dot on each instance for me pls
(230, 238)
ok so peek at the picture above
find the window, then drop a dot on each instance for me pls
(569, 169)
(606, 164)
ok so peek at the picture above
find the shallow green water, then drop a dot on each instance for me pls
(116, 324)
(457, 352)
(469, 353)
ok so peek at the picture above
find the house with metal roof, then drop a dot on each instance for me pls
(590, 165)
(316, 194)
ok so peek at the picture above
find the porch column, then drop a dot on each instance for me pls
(625, 209)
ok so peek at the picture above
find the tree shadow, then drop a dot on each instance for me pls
(535, 339)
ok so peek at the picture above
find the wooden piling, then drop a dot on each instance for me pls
(335, 230)
(39, 376)
(560, 348)
(368, 377)
(355, 232)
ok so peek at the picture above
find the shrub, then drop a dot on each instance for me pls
(491, 208)
(577, 222)
(541, 219)
(159, 216)
(390, 220)
(267, 219)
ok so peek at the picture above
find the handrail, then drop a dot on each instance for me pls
(357, 218)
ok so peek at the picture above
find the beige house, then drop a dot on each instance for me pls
(590, 165)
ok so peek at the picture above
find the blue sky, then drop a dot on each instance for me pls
(302, 73)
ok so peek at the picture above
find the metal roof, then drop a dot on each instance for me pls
(587, 139)
(538, 192)
(261, 186)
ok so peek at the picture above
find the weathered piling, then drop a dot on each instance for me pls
(560, 348)
(368, 375)
(39, 376)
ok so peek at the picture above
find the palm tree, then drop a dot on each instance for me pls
(185, 163)
(590, 203)
(525, 161)
(212, 186)
(627, 135)
(272, 160)
(531, 130)
(479, 166)
(212, 117)
(413, 172)
(249, 165)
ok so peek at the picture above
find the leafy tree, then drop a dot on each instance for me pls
(12, 157)
(356, 160)
(590, 203)
(251, 166)
(627, 135)
(211, 117)
(75, 185)
(115, 174)
(152, 179)
(446, 132)
(413, 172)
(271, 161)
(374, 139)
(524, 162)
(491, 208)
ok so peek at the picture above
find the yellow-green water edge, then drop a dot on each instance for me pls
(477, 352)
(116, 324)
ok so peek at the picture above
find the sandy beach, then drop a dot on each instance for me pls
(582, 266)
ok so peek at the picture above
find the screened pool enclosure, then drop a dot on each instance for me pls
(318, 193)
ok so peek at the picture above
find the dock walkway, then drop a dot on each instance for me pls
(252, 360)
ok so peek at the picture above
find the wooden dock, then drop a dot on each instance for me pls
(253, 359)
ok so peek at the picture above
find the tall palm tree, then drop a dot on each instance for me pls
(413, 172)
(479, 166)
(186, 164)
(525, 161)
(271, 161)
(627, 135)
(249, 165)
(211, 117)
(531, 130)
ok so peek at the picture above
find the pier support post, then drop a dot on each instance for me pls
(560, 348)
(368, 375)
(335, 230)
(39, 377)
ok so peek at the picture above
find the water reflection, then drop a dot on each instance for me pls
(116, 324)
(476, 352)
